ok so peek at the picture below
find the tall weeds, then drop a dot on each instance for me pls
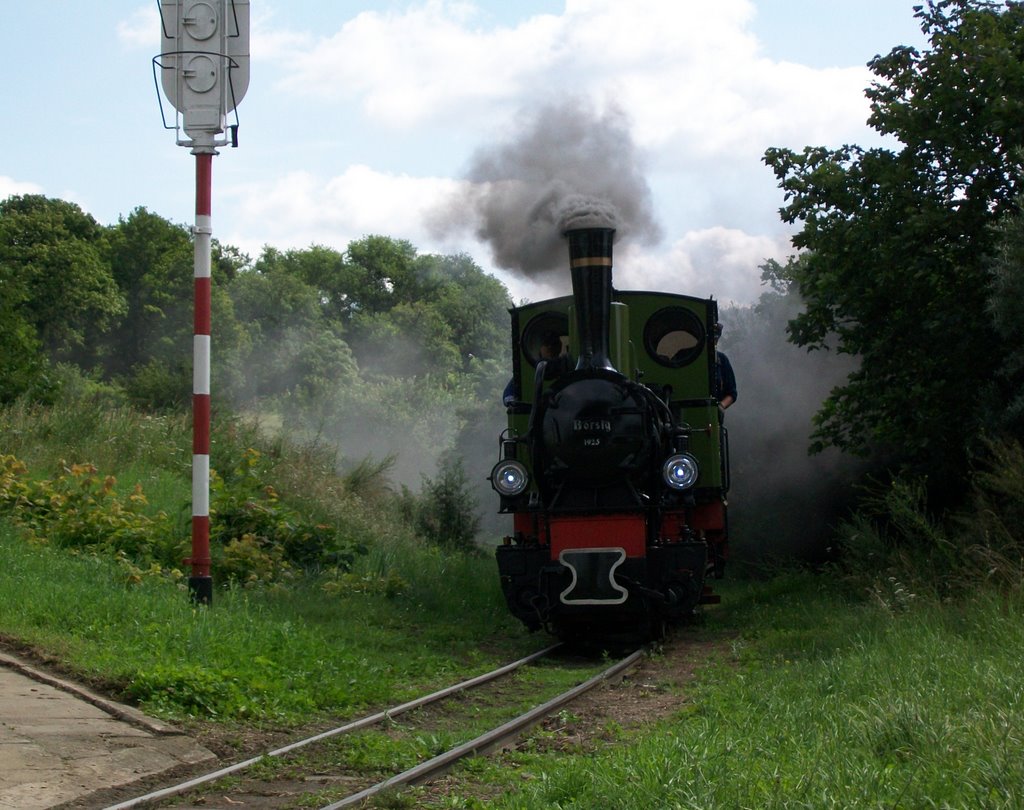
(895, 538)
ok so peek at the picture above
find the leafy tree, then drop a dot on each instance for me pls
(153, 262)
(56, 281)
(408, 340)
(894, 240)
(20, 364)
(294, 346)
(380, 273)
(277, 293)
(1006, 305)
(403, 314)
(473, 304)
(317, 276)
(371, 276)
(447, 305)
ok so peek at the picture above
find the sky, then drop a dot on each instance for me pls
(454, 124)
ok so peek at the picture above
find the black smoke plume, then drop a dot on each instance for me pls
(569, 165)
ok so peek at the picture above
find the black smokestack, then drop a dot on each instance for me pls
(590, 263)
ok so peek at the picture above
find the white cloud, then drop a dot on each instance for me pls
(423, 64)
(702, 100)
(10, 187)
(687, 74)
(141, 29)
(299, 209)
(719, 262)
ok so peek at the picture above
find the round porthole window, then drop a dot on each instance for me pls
(550, 330)
(674, 336)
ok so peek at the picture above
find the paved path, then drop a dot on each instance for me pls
(60, 742)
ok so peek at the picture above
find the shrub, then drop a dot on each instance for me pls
(446, 512)
(255, 538)
(262, 539)
(894, 537)
(80, 509)
(157, 385)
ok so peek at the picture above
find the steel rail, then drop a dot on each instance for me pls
(369, 720)
(487, 741)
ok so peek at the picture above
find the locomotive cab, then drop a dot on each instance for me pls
(616, 471)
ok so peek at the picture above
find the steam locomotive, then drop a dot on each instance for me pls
(614, 466)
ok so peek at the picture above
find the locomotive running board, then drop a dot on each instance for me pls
(593, 576)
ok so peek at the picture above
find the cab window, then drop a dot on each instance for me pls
(537, 328)
(674, 337)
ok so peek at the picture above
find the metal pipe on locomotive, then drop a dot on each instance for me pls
(615, 470)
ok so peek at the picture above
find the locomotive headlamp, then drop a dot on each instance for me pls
(680, 471)
(509, 477)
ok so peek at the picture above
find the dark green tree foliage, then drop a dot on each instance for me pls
(295, 344)
(895, 239)
(404, 314)
(1007, 309)
(378, 273)
(474, 304)
(56, 284)
(319, 318)
(150, 349)
(152, 262)
(394, 327)
(21, 367)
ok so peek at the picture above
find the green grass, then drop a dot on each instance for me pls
(403, 618)
(820, 703)
(263, 655)
(110, 437)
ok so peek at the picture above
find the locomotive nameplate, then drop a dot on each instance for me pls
(593, 576)
(592, 425)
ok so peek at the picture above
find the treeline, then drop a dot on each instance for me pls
(911, 263)
(116, 302)
(384, 351)
(910, 255)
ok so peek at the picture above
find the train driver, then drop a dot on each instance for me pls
(725, 379)
(557, 364)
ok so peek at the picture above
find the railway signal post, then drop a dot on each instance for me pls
(203, 68)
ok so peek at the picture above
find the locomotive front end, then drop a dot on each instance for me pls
(596, 467)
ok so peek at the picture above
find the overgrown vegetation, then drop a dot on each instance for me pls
(326, 600)
(278, 510)
(897, 537)
(264, 655)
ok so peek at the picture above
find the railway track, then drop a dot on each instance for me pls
(425, 771)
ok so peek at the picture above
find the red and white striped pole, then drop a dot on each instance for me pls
(204, 71)
(200, 584)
